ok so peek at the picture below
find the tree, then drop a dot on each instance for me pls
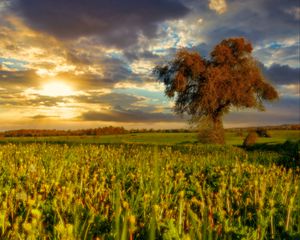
(206, 89)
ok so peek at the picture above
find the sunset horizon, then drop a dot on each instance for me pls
(78, 65)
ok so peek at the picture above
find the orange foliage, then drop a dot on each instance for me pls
(208, 88)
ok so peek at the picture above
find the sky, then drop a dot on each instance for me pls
(71, 64)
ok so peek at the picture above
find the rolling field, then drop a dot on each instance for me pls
(278, 137)
(176, 189)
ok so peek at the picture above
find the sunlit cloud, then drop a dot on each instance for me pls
(152, 86)
(53, 89)
(295, 12)
(219, 6)
(292, 90)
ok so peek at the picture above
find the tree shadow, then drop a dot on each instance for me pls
(187, 142)
(286, 154)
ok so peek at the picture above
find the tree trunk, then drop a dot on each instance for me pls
(211, 131)
(218, 134)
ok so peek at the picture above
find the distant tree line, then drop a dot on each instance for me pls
(121, 130)
(278, 127)
(53, 132)
(151, 130)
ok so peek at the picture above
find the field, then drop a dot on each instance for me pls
(232, 138)
(149, 186)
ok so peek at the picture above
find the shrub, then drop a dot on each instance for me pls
(250, 139)
(263, 133)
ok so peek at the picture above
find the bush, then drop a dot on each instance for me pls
(263, 133)
(250, 139)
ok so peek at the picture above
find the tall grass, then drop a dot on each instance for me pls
(144, 192)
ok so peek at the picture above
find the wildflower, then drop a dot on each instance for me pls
(125, 205)
(36, 213)
(27, 227)
(156, 207)
(181, 194)
(132, 220)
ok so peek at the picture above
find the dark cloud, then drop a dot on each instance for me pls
(286, 110)
(111, 72)
(48, 101)
(18, 99)
(18, 78)
(129, 115)
(115, 22)
(9, 97)
(39, 116)
(256, 20)
(133, 54)
(78, 58)
(281, 74)
(283, 10)
(114, 99)
(90, 81)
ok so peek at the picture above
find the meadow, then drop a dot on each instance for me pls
(149, 186)
(232, 138)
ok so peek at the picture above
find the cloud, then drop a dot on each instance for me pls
(18, 78)
(112, 99)
(284, 52)
(17, 99)
(259, 21)
(36, 58)
(284, 111)
(295, 12)
(282, 74)
(40, 116)
(129, 115)
(116, 23)
(102, 72)
(285, 78)
(219, 6)
(292, 90)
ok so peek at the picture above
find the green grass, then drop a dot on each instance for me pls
(278, 136)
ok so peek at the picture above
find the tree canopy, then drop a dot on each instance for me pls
(207, 88)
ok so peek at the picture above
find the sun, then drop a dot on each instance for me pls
(56, 89)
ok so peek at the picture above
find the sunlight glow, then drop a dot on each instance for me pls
(56, 89)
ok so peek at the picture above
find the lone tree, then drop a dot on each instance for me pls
(205, 89)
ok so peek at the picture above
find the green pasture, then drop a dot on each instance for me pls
(232, 138)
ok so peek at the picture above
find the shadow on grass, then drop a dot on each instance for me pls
(286, 154)
(187, 142)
